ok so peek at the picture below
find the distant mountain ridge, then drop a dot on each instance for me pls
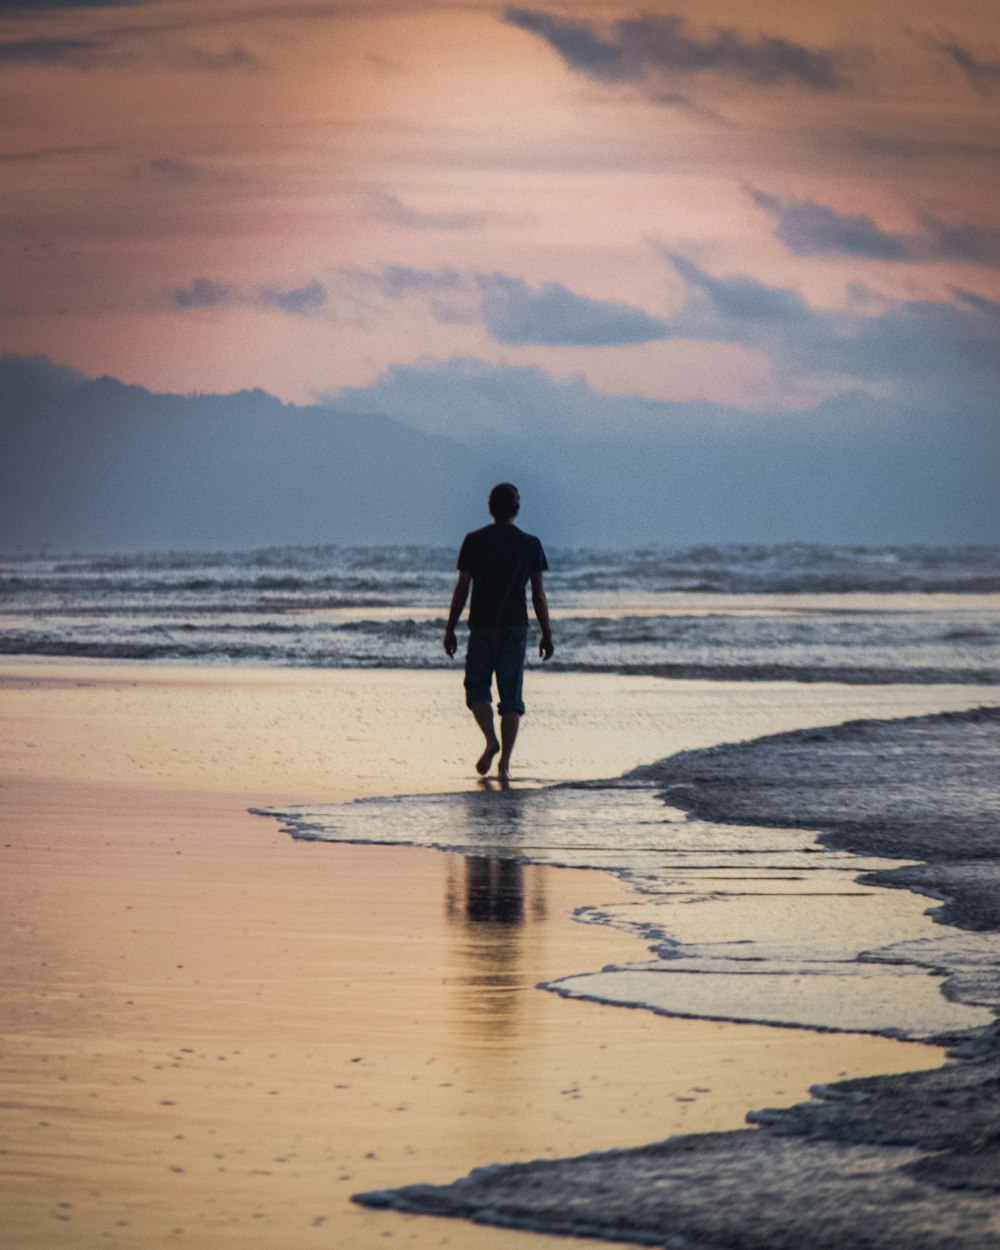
(100, 465)
(97, 465)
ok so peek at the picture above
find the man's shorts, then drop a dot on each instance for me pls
(499, 651)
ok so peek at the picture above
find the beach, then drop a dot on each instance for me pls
(215, 1032)
(218, 1033)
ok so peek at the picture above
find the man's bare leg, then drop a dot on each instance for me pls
(482, 710)
(510, 722)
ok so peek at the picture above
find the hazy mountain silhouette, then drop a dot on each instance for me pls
(97, 465)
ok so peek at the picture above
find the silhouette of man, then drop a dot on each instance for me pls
(498, 561)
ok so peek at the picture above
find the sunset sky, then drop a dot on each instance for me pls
(409, 205)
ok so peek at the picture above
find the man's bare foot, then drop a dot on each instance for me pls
(486, 759)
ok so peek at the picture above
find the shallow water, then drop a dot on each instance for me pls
(772, 924)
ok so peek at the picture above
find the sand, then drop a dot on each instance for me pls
(215, 1035)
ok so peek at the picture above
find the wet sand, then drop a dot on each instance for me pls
(214, 1035)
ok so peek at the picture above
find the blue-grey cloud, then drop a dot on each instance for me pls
(979, 245)
(980, 303)
(516, 313)
(191, 56)
(88, 54)
(578, 44)
(303, 301)
(923, 348)
(30, 155)
(166, 169)
(684, 104)
(392, 210)
(982, 75)
(43, 51)
(743, 299)
(810, 229)
(400, 280)
(553, 315)
(472, 400)
(660, 43)
(202, 293)
(17, 8)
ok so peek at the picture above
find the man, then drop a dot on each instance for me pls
(498, 561)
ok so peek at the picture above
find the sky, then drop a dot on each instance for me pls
(573, 219)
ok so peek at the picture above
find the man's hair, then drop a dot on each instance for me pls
(505, 502)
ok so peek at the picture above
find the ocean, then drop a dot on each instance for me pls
(796, 612)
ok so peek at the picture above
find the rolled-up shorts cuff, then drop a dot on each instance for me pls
(498, 652)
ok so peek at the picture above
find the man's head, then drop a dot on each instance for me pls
(505, 502)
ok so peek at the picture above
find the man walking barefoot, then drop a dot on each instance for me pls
(498, 561)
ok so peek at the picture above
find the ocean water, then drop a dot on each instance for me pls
(796, 611)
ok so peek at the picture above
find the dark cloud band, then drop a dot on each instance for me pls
(635, 48)
(48, 51)
(516, 313)
(810, 229)
(982, 75)
(17, 8)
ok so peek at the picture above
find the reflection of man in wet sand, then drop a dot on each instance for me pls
(498, 561)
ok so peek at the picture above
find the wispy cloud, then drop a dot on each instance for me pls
(631, 50)
(513, 312)
(983, 75)
(122, 52)
(303, 301)
(389, 209)
(810, 229)
(192, 56)
(979, 245)
(166, 169)
(19, 8)
(31, 155)
(79, 53)
(947, 351)
(743, 300)
(202, 293)
(552, 315)
(398, 281)
(980, 303)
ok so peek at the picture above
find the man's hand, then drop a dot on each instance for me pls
(545, 647)
(458, 598)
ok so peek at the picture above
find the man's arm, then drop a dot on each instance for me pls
(458, 598)
(541, 606)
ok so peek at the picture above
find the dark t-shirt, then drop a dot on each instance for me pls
(501, 559)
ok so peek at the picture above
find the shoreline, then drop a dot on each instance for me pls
(174, 932)
(908, 1161)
